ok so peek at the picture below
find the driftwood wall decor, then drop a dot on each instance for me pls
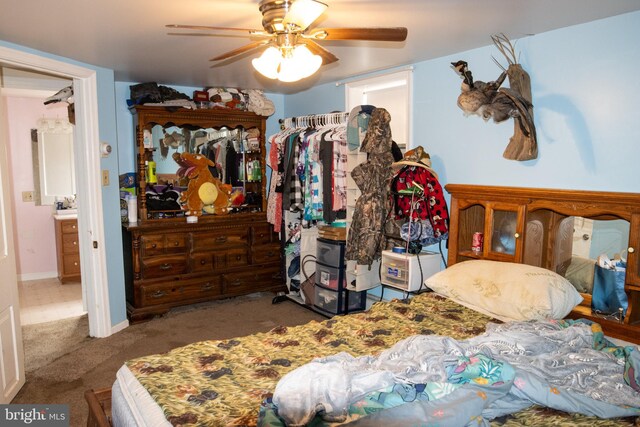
(491, 101)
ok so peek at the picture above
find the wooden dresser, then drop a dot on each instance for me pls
(67, 249)
(175, 263)
(543, 227)
(170, 262)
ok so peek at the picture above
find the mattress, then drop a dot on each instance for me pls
(221, 383)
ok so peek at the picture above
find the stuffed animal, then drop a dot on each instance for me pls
(204, 191)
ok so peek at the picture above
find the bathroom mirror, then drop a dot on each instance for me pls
(53, 162)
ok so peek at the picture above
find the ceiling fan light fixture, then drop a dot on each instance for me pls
(287, 65)
(268, 63)
(303, 13)
(302, 64)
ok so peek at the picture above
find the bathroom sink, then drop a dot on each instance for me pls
(66, 211)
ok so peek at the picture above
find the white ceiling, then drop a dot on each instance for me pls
(129, 36)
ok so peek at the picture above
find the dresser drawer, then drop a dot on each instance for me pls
(70, 243)
(71, 264)
(163, 266)
(218, 240)
(161, 244)
(263, 234)
(180, 291)
(250, 281)
(69, 226)
(218, 260)
(233, 258)
(265, 254)
(202, 262)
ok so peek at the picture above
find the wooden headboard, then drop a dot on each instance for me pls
(536, 226)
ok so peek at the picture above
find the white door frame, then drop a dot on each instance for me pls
(87, 164)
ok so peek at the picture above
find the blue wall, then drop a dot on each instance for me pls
(110, 193)
(584, 95)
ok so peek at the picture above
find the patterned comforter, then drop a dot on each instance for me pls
(436, 380)
(222, 383)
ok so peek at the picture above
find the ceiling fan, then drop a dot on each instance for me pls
(291, 48)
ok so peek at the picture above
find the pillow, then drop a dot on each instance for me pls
(507, 291)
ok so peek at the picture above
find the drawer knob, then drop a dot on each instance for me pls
(631, 249)
(221, 239)
(207, 286)
(238, 257)
(203, 262)
(73, 226)
(75, 243)
(236, 283)
(75, 263)
(176, 243)
(158, 294)
(516, 235)
(154, 246)
(165, 267)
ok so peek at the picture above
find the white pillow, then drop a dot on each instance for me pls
(507, 291)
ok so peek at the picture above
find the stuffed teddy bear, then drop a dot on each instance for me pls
(204, 192)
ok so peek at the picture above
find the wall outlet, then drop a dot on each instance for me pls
(27, 196)
(105, 177)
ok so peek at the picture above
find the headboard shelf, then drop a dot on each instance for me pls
(554, 229)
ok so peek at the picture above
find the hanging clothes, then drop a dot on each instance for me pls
(307, 168)
(365, 239)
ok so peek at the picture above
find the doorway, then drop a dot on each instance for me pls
(87, 163)
(40, 142)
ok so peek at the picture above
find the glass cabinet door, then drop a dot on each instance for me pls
(503, 231)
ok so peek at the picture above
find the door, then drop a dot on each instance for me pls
(11, 352)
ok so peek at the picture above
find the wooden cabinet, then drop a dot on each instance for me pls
(500, 222)
(170, 262)
(67, 250)
(539, 227)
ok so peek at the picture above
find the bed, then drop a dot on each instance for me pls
(236, 382)
(222, 383)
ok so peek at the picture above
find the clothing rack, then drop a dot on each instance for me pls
(314, 120)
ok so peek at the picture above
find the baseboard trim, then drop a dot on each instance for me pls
(37, 276)
(120, 326)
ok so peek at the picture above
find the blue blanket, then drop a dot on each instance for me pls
(433, 380)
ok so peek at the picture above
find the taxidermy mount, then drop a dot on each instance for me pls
(491, 101)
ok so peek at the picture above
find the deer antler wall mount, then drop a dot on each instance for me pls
(491, 101)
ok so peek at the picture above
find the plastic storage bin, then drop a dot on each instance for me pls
(334, 302)
(402, 271)
(330, 252)
(328, 277)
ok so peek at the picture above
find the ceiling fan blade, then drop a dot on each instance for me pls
(206, 27)
(240, 50)
(262, 34)
(316, 49)
(390, 34)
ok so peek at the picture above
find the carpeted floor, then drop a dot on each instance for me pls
(61, 361)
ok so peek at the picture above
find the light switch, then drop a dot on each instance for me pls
(105, 177)
(27, 196)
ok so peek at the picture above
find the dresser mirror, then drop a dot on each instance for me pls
(232, 148)
(235, 153)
